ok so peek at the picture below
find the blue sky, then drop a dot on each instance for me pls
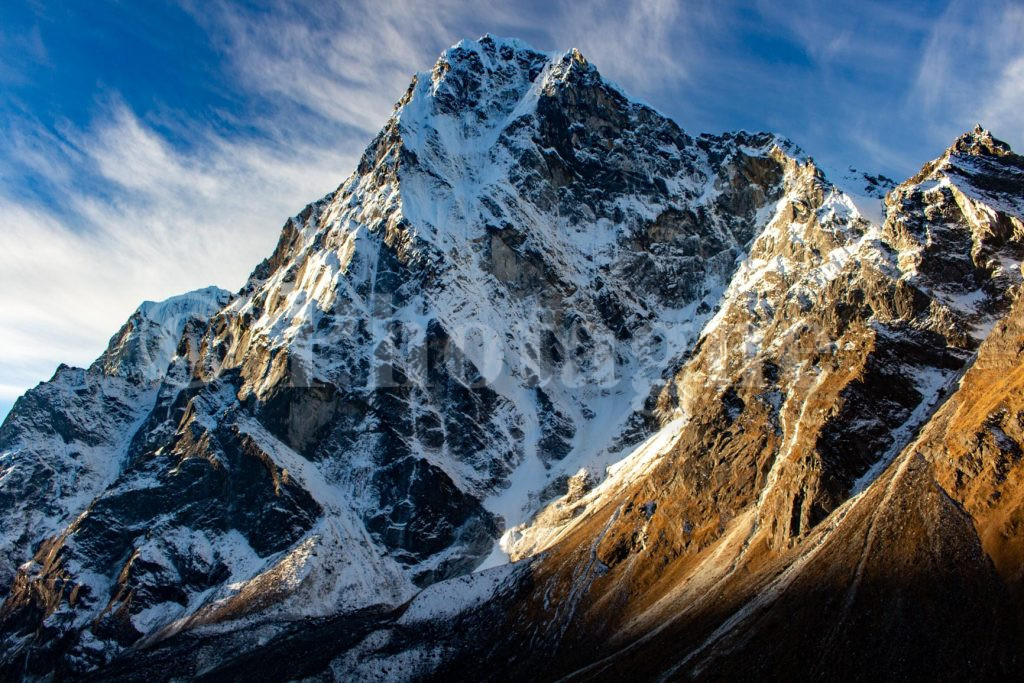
(149, 148)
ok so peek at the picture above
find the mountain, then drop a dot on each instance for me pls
(549, 387)
(63, 441)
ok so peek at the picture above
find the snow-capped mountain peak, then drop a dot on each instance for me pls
(147, 343)
(538, 321)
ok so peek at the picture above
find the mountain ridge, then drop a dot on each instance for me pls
(529, 279)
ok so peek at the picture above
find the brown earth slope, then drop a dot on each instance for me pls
(836, 489)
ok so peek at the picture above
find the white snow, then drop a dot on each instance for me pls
(450, 598)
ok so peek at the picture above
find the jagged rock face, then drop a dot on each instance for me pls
(828, 351)
(485, 307)
(918, 577)
(146, 344)
(60, 448)
(531, 276)
(65, 440)
(754, 535)
(964, 229)
(726, 543)
(973, 446)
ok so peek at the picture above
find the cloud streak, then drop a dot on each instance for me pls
(971, 71)
(152, 222)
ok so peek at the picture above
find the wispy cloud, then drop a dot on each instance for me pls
(1004, 109)
(349, 62)
(647, 44)
(971, 71)
(150, 222)
(119, 210)
(23, 46)
(835, 33)
(346, 62)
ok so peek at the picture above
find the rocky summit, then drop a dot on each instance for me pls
(549, 388)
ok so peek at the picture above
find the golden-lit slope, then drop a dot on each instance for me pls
(831, 494)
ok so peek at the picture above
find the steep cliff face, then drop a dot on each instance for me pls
(821, 564)
(973, 446)
(833, 345)
(66, 440)
(685, 383)
(803, 508)
(486, 307)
